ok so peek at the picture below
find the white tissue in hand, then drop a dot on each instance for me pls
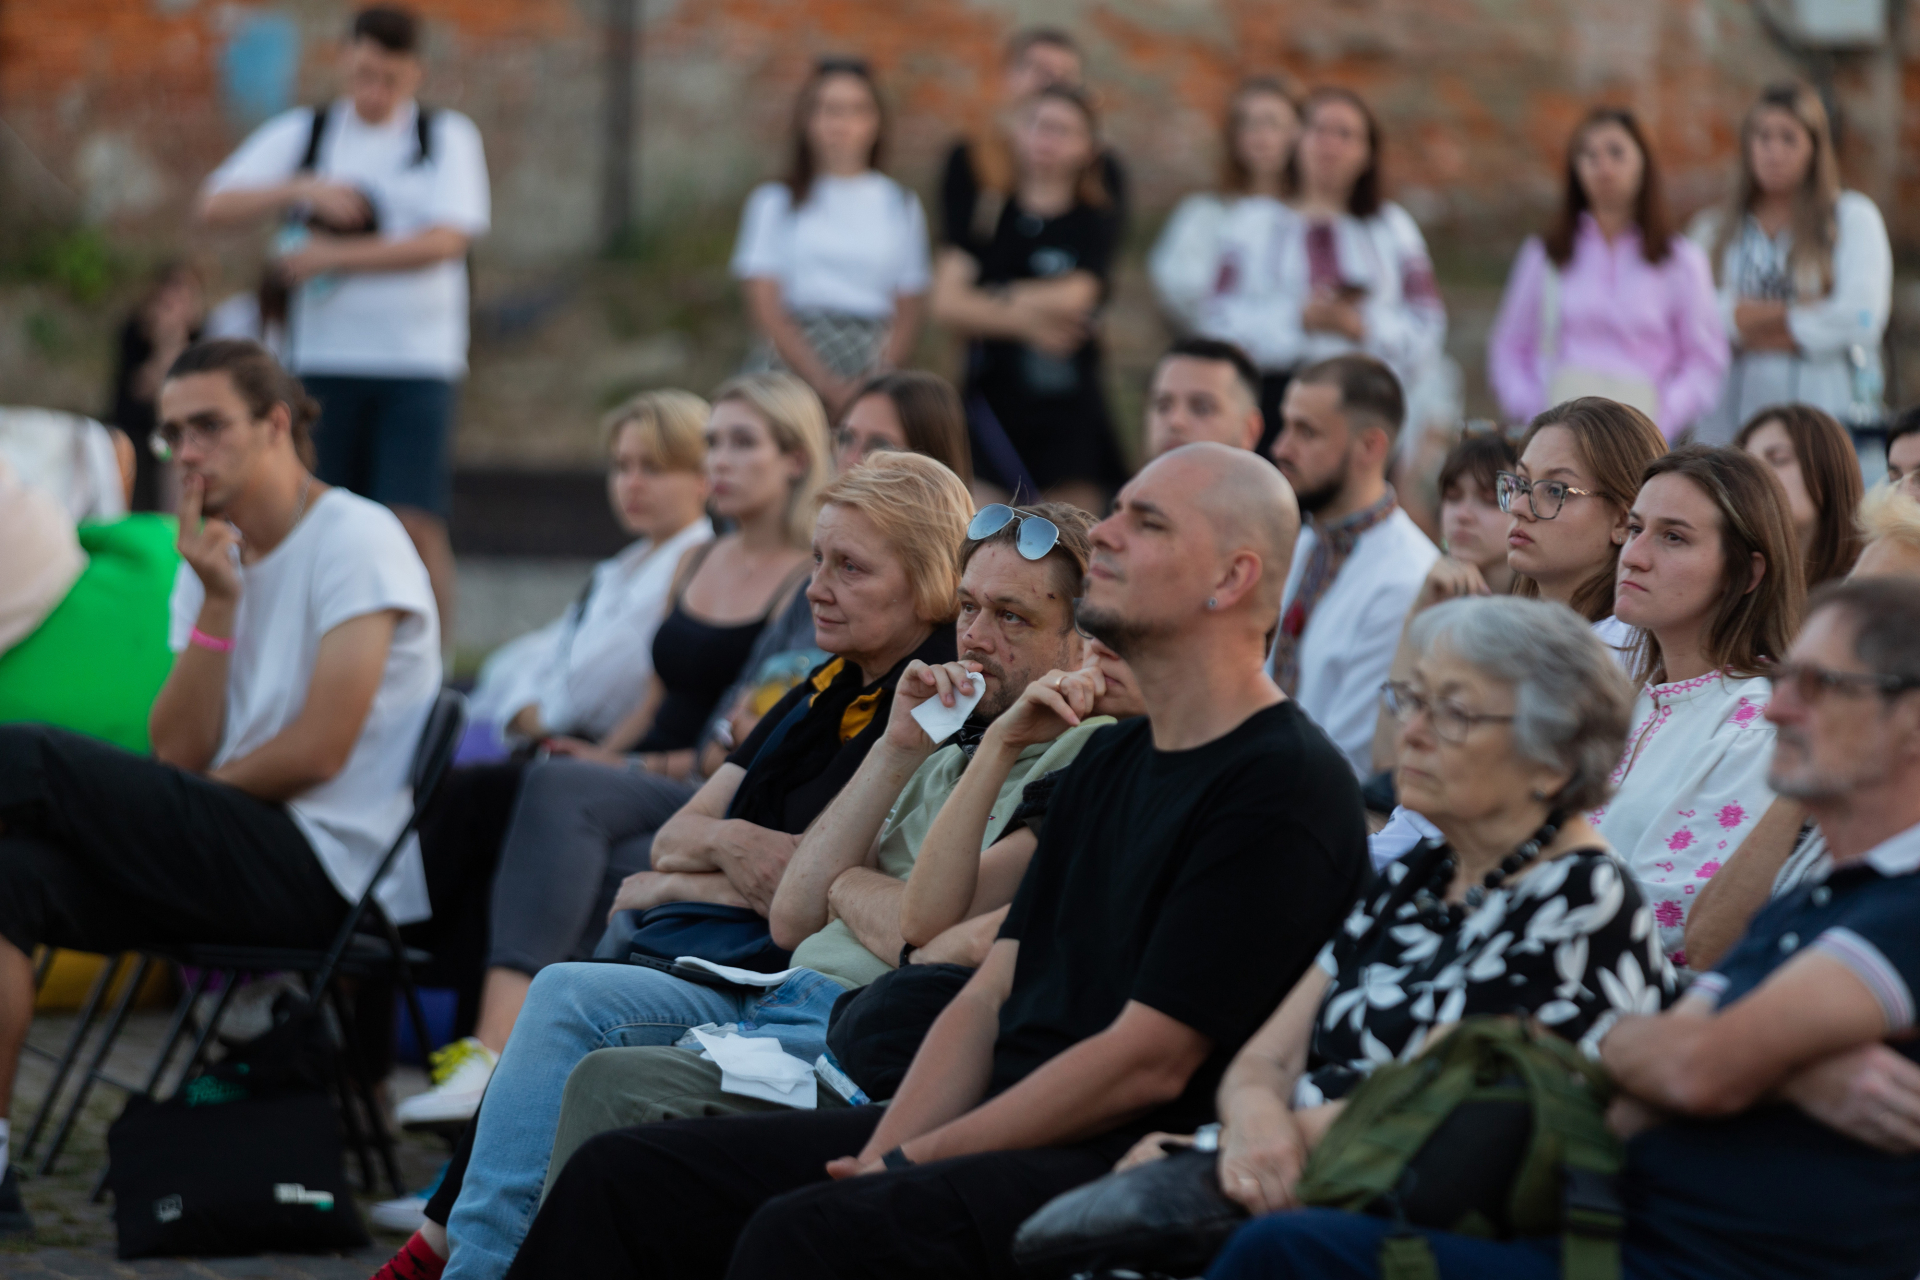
(757, 1067)
(942, 722)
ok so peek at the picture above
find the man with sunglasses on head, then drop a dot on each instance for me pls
(308, 658)
(837, 906)
(1361, 560)
(1193, 861)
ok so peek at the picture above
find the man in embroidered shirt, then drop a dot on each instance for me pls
(380, 199)
(1360, 560)
(308, 658)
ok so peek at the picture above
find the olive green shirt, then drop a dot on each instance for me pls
(834, 950)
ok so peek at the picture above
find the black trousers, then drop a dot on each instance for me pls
(747, 1197)
(102, 850)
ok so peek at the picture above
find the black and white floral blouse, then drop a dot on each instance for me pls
(1571, 943)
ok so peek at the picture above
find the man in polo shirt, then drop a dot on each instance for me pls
(379, 198)
(1360, 560)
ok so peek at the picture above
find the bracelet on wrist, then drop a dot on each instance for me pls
(213, 644)
(897, 1159)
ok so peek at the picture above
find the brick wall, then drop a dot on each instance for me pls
(119, 107)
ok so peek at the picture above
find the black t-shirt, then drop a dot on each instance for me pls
(960, 194)
(1200, 883)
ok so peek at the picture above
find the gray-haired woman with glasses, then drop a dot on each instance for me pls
(1509, 725)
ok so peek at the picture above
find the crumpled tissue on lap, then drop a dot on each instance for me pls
(757, 1067)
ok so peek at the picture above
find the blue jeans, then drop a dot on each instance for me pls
(386, 438)
(1327, 1244)
(571, 1010)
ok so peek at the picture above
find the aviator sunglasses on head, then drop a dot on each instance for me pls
(1036, 537)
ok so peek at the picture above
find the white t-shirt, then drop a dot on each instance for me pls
(1348, 646)
(854, 246)
(395, 324)
(347, 558)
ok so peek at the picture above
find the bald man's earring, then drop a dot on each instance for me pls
(1212, 603)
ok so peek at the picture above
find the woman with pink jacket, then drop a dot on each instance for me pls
(1610, 302)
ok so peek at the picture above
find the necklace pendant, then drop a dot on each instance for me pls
(1475, 896)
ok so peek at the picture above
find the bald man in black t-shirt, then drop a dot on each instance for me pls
(1193, 863)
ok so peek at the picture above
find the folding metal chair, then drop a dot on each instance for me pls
(354, 954)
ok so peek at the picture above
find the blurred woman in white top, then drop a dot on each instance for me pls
(584, 672)
(1334, 269)
(1804, 269)
(833, 257)
(1200, 266)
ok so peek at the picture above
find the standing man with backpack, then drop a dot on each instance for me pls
(378, 198)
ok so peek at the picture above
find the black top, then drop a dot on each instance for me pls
(797, 763)
(1052, 409)
(1198, 882)
(697, 662)
(135, 416)
(1571, 943)
(960, 193)
(1772, 1193)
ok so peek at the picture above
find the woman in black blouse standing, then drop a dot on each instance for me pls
(1026, 297)
(1510, 724)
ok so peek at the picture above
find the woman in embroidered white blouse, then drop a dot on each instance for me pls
(1711, 575)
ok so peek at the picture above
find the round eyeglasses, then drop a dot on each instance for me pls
(1544, 497)
(1810, 683)
(1037, 535)
(1451, 722)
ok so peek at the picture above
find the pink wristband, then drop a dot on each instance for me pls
(205, 641)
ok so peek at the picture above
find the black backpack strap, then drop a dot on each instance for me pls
(315, 133)
(422, 134)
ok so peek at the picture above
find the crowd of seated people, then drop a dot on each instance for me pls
(1014, 843)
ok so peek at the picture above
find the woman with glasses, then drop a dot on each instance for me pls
(906, 412)
(833, 257)
(1580, 465)
(1710, 574)
(1508, 725)
(1805, 272)
(1610, 301)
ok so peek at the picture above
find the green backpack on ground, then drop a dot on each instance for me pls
(1496, 1131)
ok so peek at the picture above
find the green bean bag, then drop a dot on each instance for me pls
(97, 662)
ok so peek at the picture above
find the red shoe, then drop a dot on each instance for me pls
(415, 1261)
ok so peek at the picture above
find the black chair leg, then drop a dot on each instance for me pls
(63, 1066)
(182, 1016)
(230, 979)
(95, 1067)
(377, 1136)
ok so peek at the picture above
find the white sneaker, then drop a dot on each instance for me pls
(460, 1075)
(402, 1216)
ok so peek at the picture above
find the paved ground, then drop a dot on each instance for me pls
(75, 1239)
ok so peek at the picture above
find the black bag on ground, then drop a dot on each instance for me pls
(243, 1158)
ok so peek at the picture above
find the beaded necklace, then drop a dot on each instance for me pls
(1436, 913)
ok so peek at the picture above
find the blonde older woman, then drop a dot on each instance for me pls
(1512, 718)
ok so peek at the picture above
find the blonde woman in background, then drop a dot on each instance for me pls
(585, 671)
(1804, 269)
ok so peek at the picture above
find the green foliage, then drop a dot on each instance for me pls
(78, 260)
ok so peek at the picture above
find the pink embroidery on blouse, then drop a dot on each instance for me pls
(1678, 841)
(1670, 914)
(1730, 817)
(1706, 870)
(1744, 714)
(1679, 959)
